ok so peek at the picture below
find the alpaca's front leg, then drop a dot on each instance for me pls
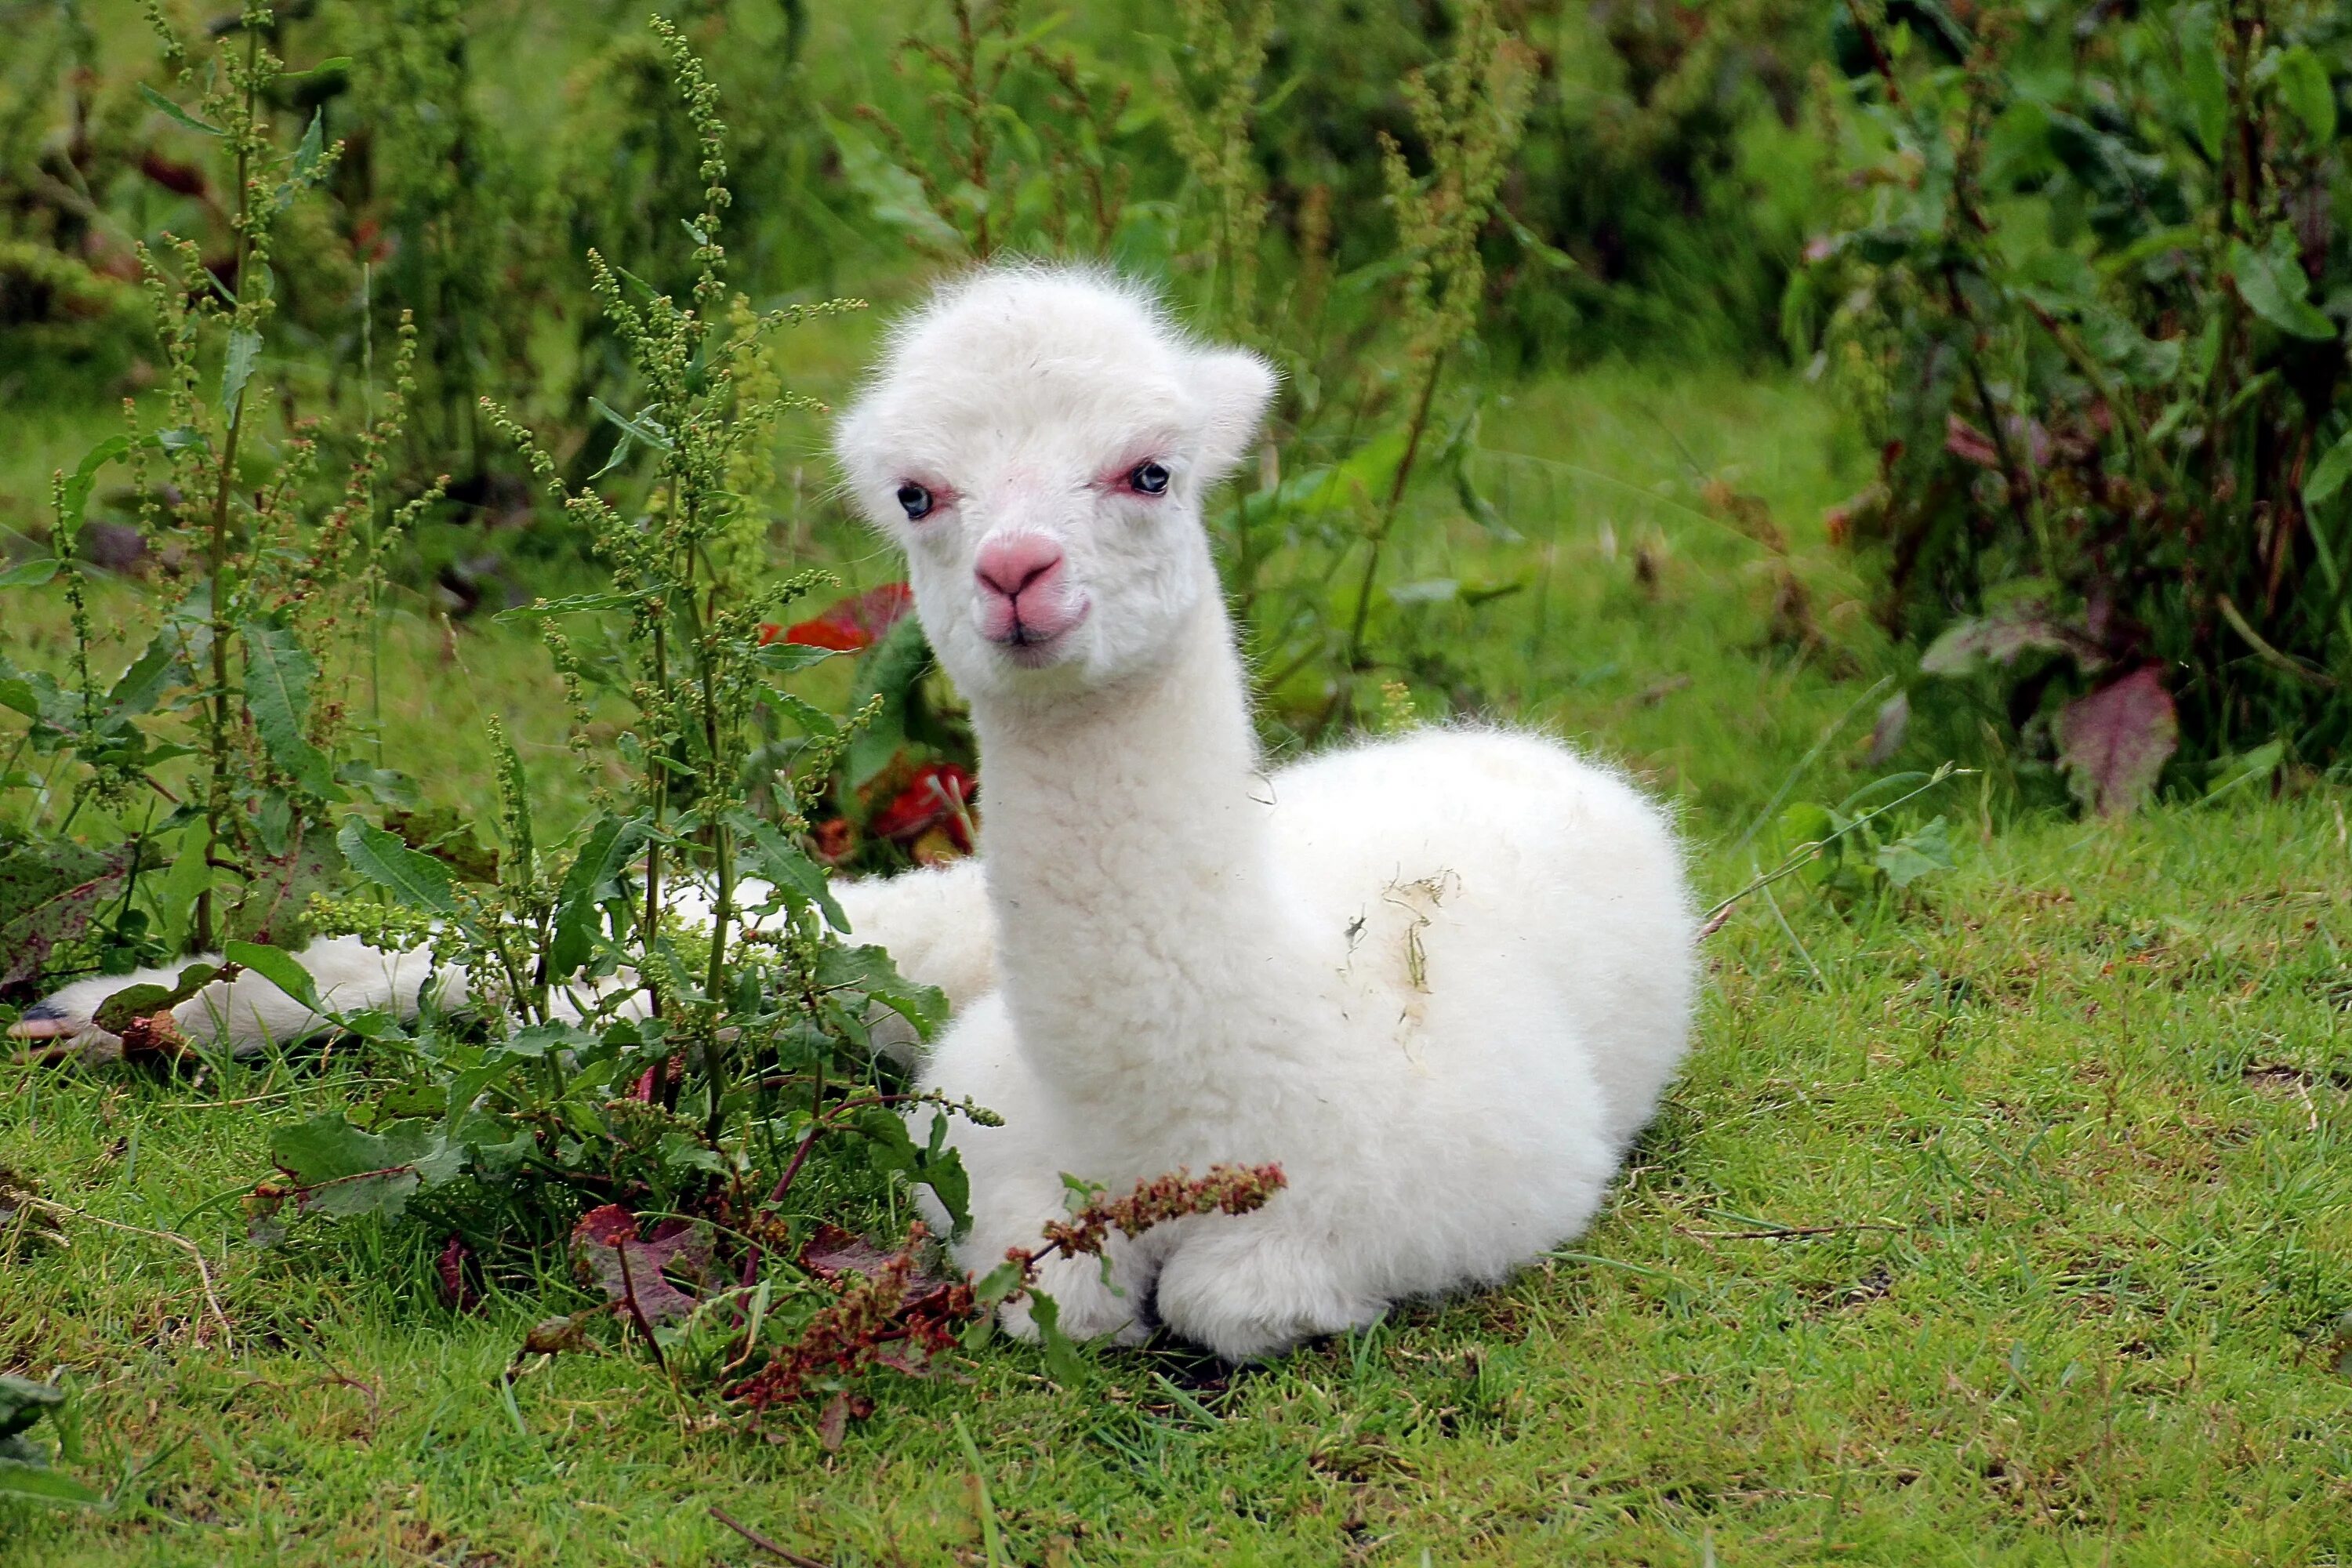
(1016, 1180)
(1252, 1286)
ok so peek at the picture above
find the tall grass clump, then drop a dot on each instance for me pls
(2091, 296)
(185, 800)
(1363, 415)
(1020, 147)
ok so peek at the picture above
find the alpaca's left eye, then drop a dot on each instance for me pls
(1149, 479)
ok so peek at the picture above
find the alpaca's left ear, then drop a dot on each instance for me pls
(1234, 387)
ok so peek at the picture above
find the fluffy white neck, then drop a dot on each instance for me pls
(1142, 926)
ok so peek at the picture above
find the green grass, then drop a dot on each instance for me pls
(2005, 1220)
(2059, 1144)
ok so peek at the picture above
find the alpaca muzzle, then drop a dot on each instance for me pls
(1025, 600)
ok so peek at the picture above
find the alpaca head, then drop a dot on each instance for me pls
(1039, 442)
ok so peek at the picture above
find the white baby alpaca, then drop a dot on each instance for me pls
(1442, 980)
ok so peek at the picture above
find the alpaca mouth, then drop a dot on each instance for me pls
(1032, 647)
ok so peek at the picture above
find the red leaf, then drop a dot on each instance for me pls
(836, 840)
(2114, 743)
(939, 795)
(645, 1085)
(455, 1289)
(1964, 440)
(606, 1252)
(2007, 635)
(857, 622)
(832, 1253)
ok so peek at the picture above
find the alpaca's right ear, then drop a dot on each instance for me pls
(1234, 386)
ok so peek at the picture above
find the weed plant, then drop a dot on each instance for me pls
(214, 755)
(2091, 299)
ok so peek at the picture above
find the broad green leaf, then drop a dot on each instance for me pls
(385, 787)
(277, 674)
(37, 695)
(343, 1171)
(1917, 854)
(643, 427)
(24, 1402)
(415, 878)
(310, 160)
(49, 892)
(244, 350)
(788, 867)
(2274, 288)
(84, 479)
(784, 657)
(571, 605)
(38, 1483)
(116, 1014)
(176, 112)
(991, 1288)
(2207, 87)
(31, 574)
(621, 451)
(2143, 361)
(190, 876)
(2327, 475)
(1063, 1363)
(531, 1043)
(327, 1148)
(2248, 767)
(812, 719)
(870, 972)
(140, 686)
(1807, 823)
(2059, 280)
(892, 669)
(892, 195)
(611, 844)
(940, 1168)
(2302, 86)
(279, 968)
(1428, 591)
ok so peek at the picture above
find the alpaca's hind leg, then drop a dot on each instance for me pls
(247, 1014)
(1251, 1287)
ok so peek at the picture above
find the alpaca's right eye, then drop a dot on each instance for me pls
(916, 500)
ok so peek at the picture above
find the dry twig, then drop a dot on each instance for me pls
(762, 1543)
(203, 1271)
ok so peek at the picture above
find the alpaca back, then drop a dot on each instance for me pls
(1489, 867)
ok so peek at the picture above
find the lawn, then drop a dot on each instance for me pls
(2003, 1218)
(2011, 1225)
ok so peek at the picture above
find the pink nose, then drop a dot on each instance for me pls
(1024, 596)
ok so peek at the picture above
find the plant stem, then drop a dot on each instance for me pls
(217, 797)
(1377, 541)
